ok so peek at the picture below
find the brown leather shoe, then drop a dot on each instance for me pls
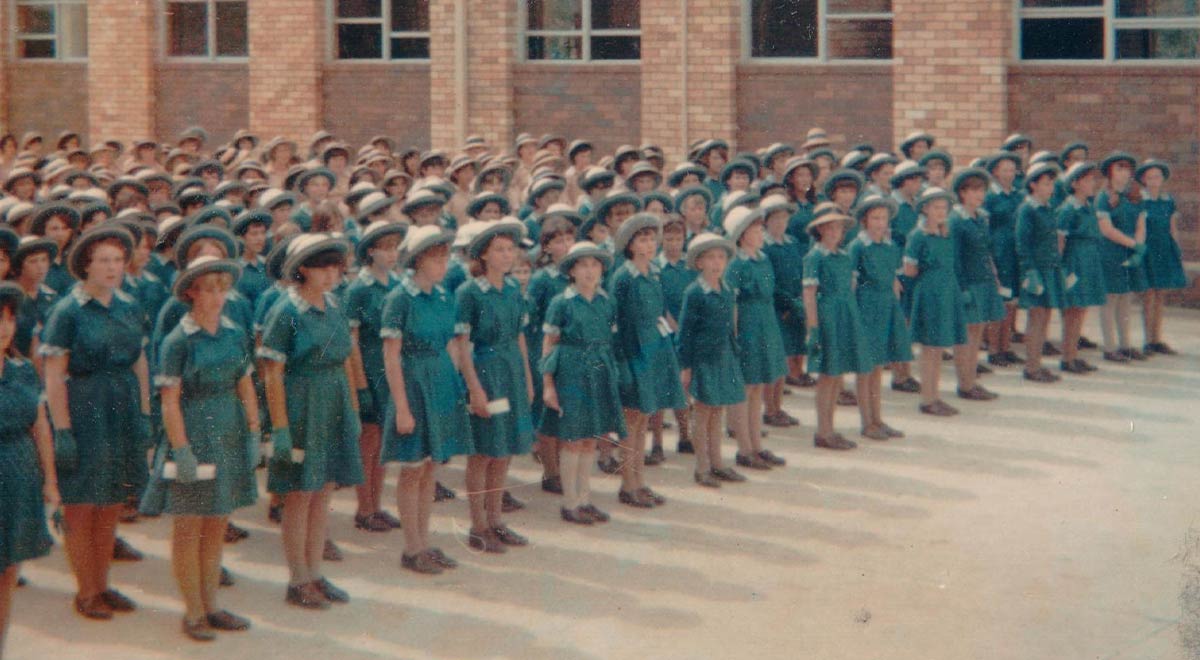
(306, 596)
(198, 630)
(117, 601)
(486, 541)
(509, 537)
(421, 563)
(575, 516)
(226, 620)
(93, 608)
(835, 441)
(635, 499)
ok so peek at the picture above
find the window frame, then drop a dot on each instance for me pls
(16, 36)
(211, 17)
(585, 34)
(822, 57)
(1106, 11)
(384, 21)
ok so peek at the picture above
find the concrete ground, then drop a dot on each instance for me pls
(1048, 524)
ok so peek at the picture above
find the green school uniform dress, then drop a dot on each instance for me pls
(263, 305)
(1083, 271)
(302, 216)
(313, 345)
(902, 225)
(207, 368)
(644, 348)
(493, 320)
(937, 317)
(675, 278)
(973, 266)
(1037, 250)
(456, 273)
(101, 344)
(753, 282)
(163, 267)
(150, 293)
(875, 266)
(236, 309)
(23, 533)
(254, 279)
(31, 317)
(1164, 259)
(584, 367)
(708, 344)
(1061, 193)
(363, 306)
(424, 324)
(544, 285)
(798, 225)
(843, 343)
(59, 278)
(1001, 207)
(787, 262)
(1117, 277)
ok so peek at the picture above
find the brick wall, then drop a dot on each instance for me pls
(47, 96)
(215, 96)
(122, 49)
(364, 100)
(599, 102)
(779, 103)
(287, 49)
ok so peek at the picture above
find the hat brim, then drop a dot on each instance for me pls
(631, 227)
(1153, 165)
(475, 207)
(480, 242)
(409, 257)
(605, 205)
(293, 262)
(38, 245)
(184, 281)
(376, 207)
(599, 253)
(242, 224)
(848, 223)
(368, 241)
(697, 250)
(199, 232)
(413, 205)
(87, 238)
(43, 215)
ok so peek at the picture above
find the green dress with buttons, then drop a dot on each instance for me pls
(150, 293)
(102, 344)
(842, 342)
(1119, 278)
(363, 306)
(938, 317)
(23, 533)
(583, 366)
(973, 266)
(544, 285)
(761, 344)
(1001, 207)
(313, 345)
(206, 367)
(798, 225)
(902, 225)
(787, 262)
(254, 279)
(31, 317)
(424, 324)
(1037, 250)
(675, 279)
(645, 350)
(59, 277)
(708, 344)
(1083, 270)
(1164, 259)
(236, 309)
(875, 266)
(493, 320)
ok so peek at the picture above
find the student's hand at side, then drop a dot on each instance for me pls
(550, 398)
(405, 423)
(478, 403)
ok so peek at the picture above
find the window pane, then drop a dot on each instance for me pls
(616, 48)
(554, 48)
(410, 49)
(555, 15)
(1138, 8)
(231, 30)
(410, 15)
(360, 42)
(35, 19)
(1157, 44)
(73, 33)
(860, 40)
(616, 14)
(1062, 3)
(35, 48)
(783, 28)
(187, 29)
(859, 6)
(359, 9)
(1062, 38)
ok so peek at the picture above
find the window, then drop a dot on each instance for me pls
(51, 29)
(820, 29)
(381, 29)
(582, 30)
(206, 29)
(1110, 30)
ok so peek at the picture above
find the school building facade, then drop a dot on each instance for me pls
(1116, 73)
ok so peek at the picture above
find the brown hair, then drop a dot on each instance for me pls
(226, 280)
(552, 229)
(86, 261)
(10, 305)
(326, 218)
(436, 250)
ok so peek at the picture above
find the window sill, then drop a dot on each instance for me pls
(1086, 67)
(767, 65)
(354, 64)
(595, 64)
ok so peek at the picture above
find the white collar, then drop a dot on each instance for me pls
(896, 195)
(551, 270)
(572, 292)
(485, 285)
(258, 260)
(42, 288)
(410, 285)
(84, 297)
(820, 248)
(1074, 202)
(980, 214)
(190, 327)
(1160, 196)
(1037, 203)
(706, 288)
(865, 239)
(994, 187)
(303, 305)
(770, 240)
(758, 256)
(661, 261)
(633, 269)
(922, 225)
(368, 277)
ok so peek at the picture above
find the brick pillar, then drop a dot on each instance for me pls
(951, 73)
(490, 39)
(712, 55)
(287, 49)
(122, 42)
(5, 28)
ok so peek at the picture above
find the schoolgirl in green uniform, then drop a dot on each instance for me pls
(842, 189)
(938, 319)
(580, 376)
(305, 351)
(876, 259)
(1003, 198)
(98, 390)
(938, 166)
(1083, 270)
(978, 278)
(1164, 262)
(315, 185)
(879, 170)
(377, 253)
(708, 349)
(210, 418)
(694, 206)
(786, 258)
(426, 420)
(59, 222)
(1073, 152)
(595, 182)
(916, 145)
(31, 258)
(252, 228)
(1122, 222)
(676, 276)
(1038, 247)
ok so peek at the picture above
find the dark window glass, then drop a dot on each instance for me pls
(554, 48)
(359, 9)
(860, 40)
(859, 6)
(232, 40)
(1139, 8)
(1062, 38)
(35, 49)
(187, 29)
(783, 28)
(555, 14)
(410, 15)
(35, 19)
(1162, 44)
(616, 48)
(616, 14)
(410, 49)
(1062, 3)
(359, 42)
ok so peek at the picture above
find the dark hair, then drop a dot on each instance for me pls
(639, 232)
(444, 248)
(86, 261)
(809, 195)
(127, 198)
(322, 259)
(477, 267)
(552, 229)
(1132, 191)
(11, 305)
(16, 266)
(326, 217)
(368, 260)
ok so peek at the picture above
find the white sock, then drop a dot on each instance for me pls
(568, 469)
(585, 478)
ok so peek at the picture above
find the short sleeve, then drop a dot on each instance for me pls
(812, 269)
(171, 359)
(556, 317)
(1066, 220)
(59, 332)
(466, 303)
(279, 334)
(395, 314)
(914, 248)
(355, 304)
